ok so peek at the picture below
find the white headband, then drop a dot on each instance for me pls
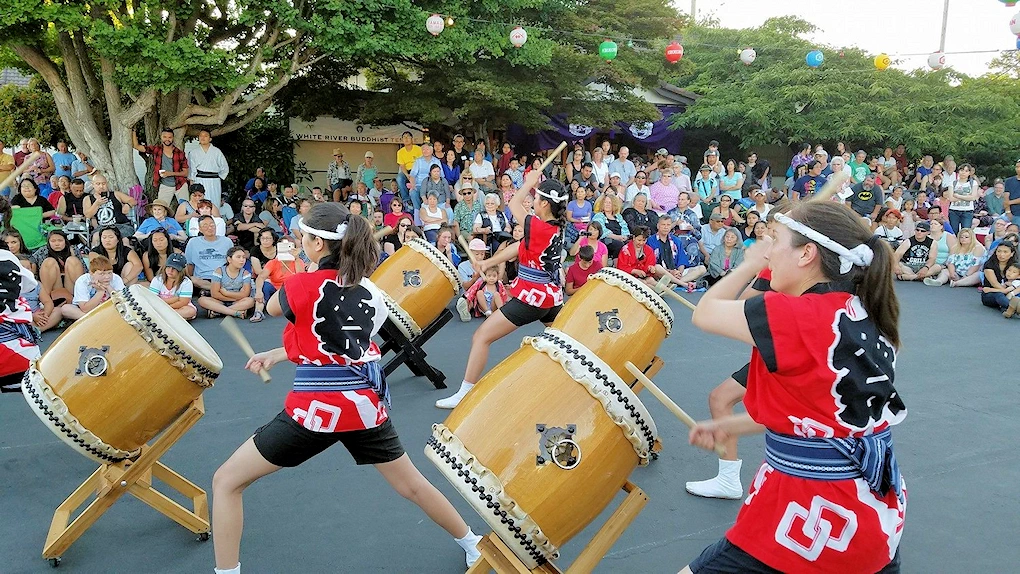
(860, 256)
(551, 195)
(337, 235)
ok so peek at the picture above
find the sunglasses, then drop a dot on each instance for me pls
(248, 205)
(404, 225)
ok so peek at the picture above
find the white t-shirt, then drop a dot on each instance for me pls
(963, 188)
(83, 290)
(185, 289)
(633, 192)
(481, 171)
(600, 171)
(221, 227)
(890, 235)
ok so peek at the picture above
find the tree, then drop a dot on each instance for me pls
(780, 100)
(471, 75)
(187, 64)
(29, 112)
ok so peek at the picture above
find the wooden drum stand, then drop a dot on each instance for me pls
(110, 481)
(497, 556)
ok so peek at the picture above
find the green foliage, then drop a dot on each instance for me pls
(267, 143)
(780, 100)
(29, 112)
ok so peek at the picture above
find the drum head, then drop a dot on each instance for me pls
(175, 327)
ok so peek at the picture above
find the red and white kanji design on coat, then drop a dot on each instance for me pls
(541, 248)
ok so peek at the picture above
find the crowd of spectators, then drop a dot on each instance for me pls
(651, 217)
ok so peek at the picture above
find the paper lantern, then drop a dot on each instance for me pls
(882, 61)
(1014, 24)
(747, 56)
(435, 24)
(937, 60)
(607, 50)
(674, 52)
(518, 36)
(815, 58)
(1009, 3)
(1018, 42)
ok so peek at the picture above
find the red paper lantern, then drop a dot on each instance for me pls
(674, 52)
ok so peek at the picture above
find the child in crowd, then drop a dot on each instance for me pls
(92, 288)
(1013, 284)
(42, 319)
(174, 288)
(273, 274)
(467, 272)
(231, 292)
(489, 293)
(584, 267)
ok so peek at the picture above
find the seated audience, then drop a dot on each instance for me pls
(174, 288)
(92, 288)
(231, 292)
(585, 265)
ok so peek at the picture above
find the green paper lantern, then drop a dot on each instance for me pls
(607, 50)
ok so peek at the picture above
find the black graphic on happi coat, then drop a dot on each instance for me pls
(10, 285)
(865, 361)
(347, 319)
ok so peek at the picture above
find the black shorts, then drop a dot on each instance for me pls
(284, 442)
(724, 557)
(741, 375)
(520, 313)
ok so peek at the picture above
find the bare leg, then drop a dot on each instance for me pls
(726, 484)
(721, 401)
(73, 269)
(187, 312)
(52, 320)
(480, 301)
(497, 302)
(242, 469)
(968, 281)
(71, 312)
(49, 276)
(493, 329)
(405, 478)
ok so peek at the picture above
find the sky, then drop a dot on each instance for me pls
(889, 26)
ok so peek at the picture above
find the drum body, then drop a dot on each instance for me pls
(542, 444)
(618, 318)
(120, 375)
(419, 282)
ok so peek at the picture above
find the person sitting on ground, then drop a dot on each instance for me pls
(188, 210)
(158, 219)
(274, 273)
(263, 252)
(670, 255)
(887, 226)
(996, 290)
(44, 317)
(205, 207)
(406, 231)
(614, 229)
(59, 271)
(92, 288)
(963, 266)
(444, 243)
(916, 255)
(206, 253)
(579, 214)
(301, 207)
(396, 214)
(156, 254)
(638, 259)
(468, 207)
(591, 239)
(487, 294)
(725, 257)
(125, 261)
(432, 215)
(232, 285)
(747, 228)
(761, 231)
(272, 216)
(469, 276)
(639, 215)
(174, 288)
(1012, 283)
(585, 265)
(942, 242)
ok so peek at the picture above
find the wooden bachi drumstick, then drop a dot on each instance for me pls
(552, 156)
(386, 230)
(664, 399)
(25, 166)
(678, 297)
(467, 248)
(230, 326)
(831, 187)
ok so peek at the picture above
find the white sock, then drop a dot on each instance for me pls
(469, 541)
(234, 570)
(465, 386)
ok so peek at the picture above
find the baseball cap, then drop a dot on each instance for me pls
(758, 191)
(923, 226)
(369, 154)
(177, 261)
(705, 166)
(477, 245)
(682, 159)
(661, 151)
(614, 174)
(895, 212)
(716, 217)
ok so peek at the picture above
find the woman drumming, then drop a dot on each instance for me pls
(536, 294)
(332, 318)
(820, 386)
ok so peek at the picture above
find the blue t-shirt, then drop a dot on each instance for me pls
(577, 212)
(207, 256)
(1013, 190)
(152, 224)
(62, 159)
(809, 185)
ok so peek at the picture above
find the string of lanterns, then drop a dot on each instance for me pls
(674, 52)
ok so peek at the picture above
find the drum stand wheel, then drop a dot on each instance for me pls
(111, 481)
(497, 556)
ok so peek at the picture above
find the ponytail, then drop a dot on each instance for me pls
(548, 190)
(875, 285)
(357, 253)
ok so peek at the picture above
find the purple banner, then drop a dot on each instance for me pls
(645, 136)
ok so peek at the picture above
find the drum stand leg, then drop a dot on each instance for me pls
(410, 352)
(110, 481)
(496, 556)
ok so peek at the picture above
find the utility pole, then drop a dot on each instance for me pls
(694, 13)
(945, 22)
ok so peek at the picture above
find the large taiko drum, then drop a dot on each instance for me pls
(120, 375)
(543, 443)
(617, 317)
(417, 283)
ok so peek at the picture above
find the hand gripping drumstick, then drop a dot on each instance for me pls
(25, 166)
(664, 399)
(230, 326)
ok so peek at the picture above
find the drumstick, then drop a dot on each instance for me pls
(386, 230)
(679, 298)
(467, 248)
(230, 326)
(831, 187)
(552, 156)
(25, 165)
(664, 399)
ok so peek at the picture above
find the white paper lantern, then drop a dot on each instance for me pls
(937, 60)
(747, 56)
(435, 24)
(518, 36)
(1014, 24)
